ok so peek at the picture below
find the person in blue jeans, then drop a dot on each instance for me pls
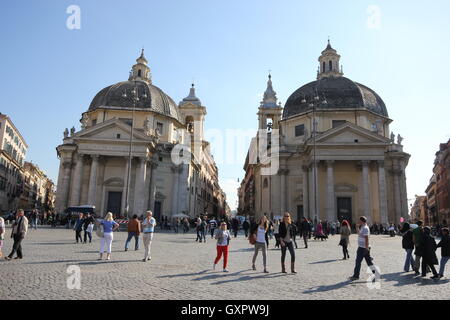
(408, 245)
(444, 244)
(134, 230)
(363, 251)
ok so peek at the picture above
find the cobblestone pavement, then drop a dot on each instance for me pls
(182, 269)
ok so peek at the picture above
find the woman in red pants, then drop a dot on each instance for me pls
(223, 237)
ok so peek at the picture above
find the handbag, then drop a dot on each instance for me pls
(342, 242)
(99, 231)
(252, 239)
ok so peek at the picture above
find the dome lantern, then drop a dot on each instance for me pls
(329, 63)
(140, 71)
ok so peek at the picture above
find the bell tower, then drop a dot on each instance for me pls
(269, 112)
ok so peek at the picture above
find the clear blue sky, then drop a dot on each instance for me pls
(49, 74)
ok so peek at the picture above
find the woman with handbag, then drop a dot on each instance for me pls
(109, 226)
(286, 240)
(345, 238)
(223, 237)
(259, 237)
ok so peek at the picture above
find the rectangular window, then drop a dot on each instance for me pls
(94, 122)
(337, 123)
(127, 121)
(159, 127)
(300, 130)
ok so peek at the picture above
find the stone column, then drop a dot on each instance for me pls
(403, 193)
(396, 172)
(314, 194)
(305, 192)
(125, 186)
(282, 173)
(139, 187)
(77, 181)
(382, 193)
(176, 179)
(331, 212)
(93, 180)
(65, 187)
(365, 190)
(59, 185)
(154, 165)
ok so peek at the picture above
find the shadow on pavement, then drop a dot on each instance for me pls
(325, 261)
(329, 287)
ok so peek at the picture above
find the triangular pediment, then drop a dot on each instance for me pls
(110, 130)
(350, 133)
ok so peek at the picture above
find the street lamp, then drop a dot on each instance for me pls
(135, 98)
(313, 103)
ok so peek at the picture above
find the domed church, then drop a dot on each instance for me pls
(121, 159)
(337, 157)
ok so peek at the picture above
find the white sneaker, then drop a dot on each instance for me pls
(225, 270)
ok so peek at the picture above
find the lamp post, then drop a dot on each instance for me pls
(135, 98)
(313, 103)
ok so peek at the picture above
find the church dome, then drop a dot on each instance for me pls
(156, 100)
(150, 97)
(333, 88)
(339, 93)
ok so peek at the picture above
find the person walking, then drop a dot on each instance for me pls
(148, 228)
(212, 227)
(305, 229)
(444, 244)
(319, 231)
(109, 226)
(78, 227)
(223, 237)
(363, 251)
(246, 227)
(259, 233)
(2, 235)
(203, 226)
(286, 236)
(19, 231)
(34, 219)
(408, 246)
(429, 258)
(88, 226)
(417, 239)
(134, 230)
(198, 224)
(276, 231)
(345, 232)
(235, 226)
(294, 234)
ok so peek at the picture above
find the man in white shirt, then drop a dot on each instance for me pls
(148, 228)
(363, 247)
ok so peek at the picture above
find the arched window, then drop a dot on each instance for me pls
(139, 73)
(331, 65)
(323, 67)
(266, 183)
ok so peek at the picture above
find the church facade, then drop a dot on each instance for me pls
(337, 158)
(122, 159)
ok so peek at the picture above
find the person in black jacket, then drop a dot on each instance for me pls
(305, 230)
(286, 235)
(246, 226)
(429, 257)
(444, 244)
(408, 245)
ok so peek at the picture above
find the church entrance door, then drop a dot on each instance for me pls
(157, 213)
(344, 209)
(114, 203)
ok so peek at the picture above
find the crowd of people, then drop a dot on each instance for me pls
(418, 240)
